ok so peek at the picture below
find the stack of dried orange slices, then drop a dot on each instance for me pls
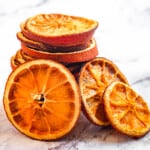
(63, 38)
(42, 97)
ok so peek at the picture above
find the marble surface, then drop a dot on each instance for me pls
(123, 36)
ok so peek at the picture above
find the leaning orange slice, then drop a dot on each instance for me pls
(42, 99)
(126, 110)
(60, 29)
(94, 77)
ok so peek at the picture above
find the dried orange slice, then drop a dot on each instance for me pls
(60, 29)
(69, 57)
(19, 58)
(42, 99)
(49, 48)
(14, 63)
(126, 110)
(94, 77)
(16, 60)
(25, 56)
(31, 43)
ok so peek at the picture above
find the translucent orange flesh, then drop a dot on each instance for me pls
(42, 102)
(126, 110)
(94, 78)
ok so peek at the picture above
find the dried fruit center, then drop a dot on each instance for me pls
(39, 98)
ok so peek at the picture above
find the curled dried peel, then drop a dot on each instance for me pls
(94, 77)
(126, 110)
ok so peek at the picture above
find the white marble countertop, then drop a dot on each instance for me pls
(123, 36)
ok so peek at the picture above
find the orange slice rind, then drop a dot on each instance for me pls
(42, 99)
